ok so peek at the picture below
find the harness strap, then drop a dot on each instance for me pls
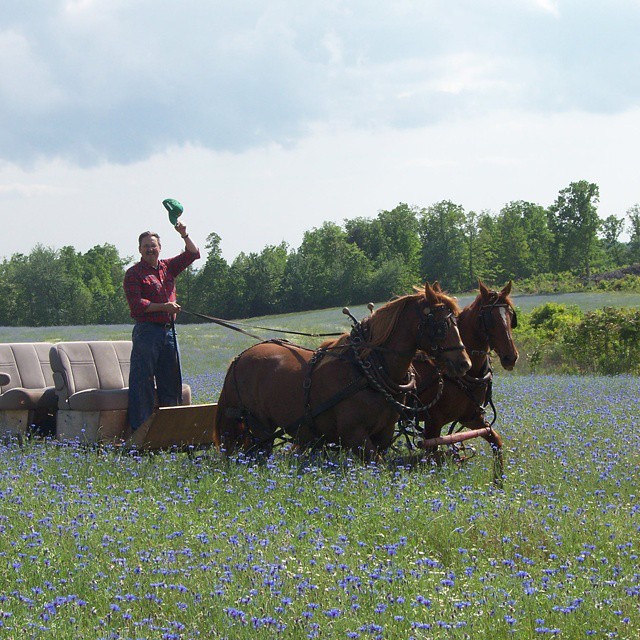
(357, 384)
(284, 433)
(236, 326)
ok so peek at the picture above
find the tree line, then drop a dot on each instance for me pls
(365, 259)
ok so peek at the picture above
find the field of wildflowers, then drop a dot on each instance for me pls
(99, 545)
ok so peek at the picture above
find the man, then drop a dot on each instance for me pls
(150, 288)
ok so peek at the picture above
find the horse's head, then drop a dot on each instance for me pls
(497, 317)
(438, 333)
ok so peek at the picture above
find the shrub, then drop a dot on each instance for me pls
(563, 339)
(607, 341)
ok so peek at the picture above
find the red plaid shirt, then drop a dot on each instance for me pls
(143, 285)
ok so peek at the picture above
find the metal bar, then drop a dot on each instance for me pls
(455, 437)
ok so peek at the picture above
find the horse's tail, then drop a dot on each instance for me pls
(228, 427)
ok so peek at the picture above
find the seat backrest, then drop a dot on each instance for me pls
(27, 364)
(78, 366)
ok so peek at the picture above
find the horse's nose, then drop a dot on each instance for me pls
(509, 360)
(464, 365)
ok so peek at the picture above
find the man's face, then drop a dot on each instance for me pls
(150, 250)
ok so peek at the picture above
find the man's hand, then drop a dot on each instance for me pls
(189, 244)
(171, 307)
(181, 228)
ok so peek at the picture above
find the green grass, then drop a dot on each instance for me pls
(97, 545)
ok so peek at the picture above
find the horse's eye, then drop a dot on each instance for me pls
(426, 311)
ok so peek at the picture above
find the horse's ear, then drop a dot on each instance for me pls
(436, 287)
(430, 293)
(507, 289)
(483, 290)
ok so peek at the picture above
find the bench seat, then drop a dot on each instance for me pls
(27, 394)
(92, 385)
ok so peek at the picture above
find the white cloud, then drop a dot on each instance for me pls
(119, 80)
(550, 6)
(264, 196)
(29, 190)
(26, 86)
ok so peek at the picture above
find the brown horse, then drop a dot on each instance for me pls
(349, 391)
(485, 325)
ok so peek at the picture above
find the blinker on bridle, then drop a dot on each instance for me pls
(437, 330)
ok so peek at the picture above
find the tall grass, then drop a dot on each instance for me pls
(99, 545)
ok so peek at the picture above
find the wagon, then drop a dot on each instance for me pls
(77, 391)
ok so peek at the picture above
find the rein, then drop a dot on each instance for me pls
(237, 326)
(468, 384)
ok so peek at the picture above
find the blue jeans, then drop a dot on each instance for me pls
(154, 365)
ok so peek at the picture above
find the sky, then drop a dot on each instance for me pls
(266, 119)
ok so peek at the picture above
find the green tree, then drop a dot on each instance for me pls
(326, 270)
(607, 341)
(392, 244)
(610, 231)
(445, 258)
(259, 280)
(481, 237)
(42, 288)
(368, 235)
(400, 231)
(76, 301)
(574, 223)
(103, 274)
(185, 283)
(212, 291)
(389, 279)
(9, 310)
(522, 241)
(634, 232)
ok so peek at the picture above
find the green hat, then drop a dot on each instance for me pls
(174, 208)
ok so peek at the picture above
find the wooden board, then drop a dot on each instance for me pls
(176, 428)
(14, 422)
(91, 427)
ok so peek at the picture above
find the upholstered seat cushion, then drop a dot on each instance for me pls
(94, 376)
(20, 398)
(110, 399)
(26, 379)
(87, 366)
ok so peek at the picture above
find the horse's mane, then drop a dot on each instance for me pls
(382, 322)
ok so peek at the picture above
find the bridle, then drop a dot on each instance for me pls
(435, 329)
(486, 315)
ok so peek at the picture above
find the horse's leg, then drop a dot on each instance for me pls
(229, 430)
(366, 437)
(383, 438)
(495, 442)
(431, 430)
(357, 439)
